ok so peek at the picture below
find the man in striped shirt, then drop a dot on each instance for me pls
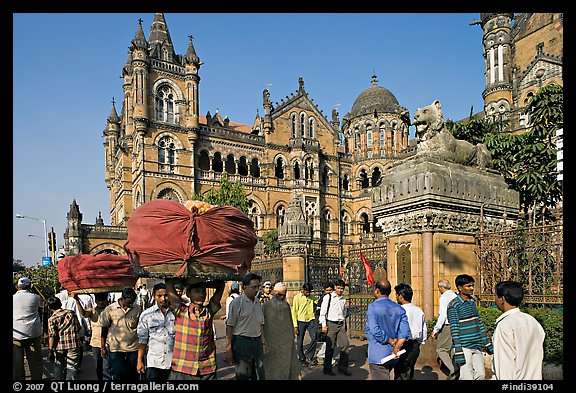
(469, 335)
(194, 356)
(63, 340)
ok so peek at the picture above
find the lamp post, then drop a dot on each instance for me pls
(45, 233)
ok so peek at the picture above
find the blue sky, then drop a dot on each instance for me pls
(67, 67)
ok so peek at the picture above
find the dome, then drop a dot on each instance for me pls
(375, 98)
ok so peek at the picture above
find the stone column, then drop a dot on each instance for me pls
(428, 274)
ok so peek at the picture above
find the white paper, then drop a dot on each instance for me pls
(391, 356)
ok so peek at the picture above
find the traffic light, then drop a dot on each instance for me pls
(52, 240)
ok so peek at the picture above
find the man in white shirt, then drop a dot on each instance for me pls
(404, 368)
(26, 332)
(441, 330)
(77, 304)
(518, 337)
(156, 337)
(333, 320)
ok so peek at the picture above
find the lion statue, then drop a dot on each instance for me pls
(434, 140)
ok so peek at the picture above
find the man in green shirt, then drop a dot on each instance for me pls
(303, 317)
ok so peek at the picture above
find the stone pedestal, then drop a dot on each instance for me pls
(436, 207)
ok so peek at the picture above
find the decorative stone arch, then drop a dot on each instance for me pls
(296, 166)
(293, 124)
(242, 166)
(312, 126)
(256, 211)
(217, 161)
(346, 221)
(165, 187)
(177, 141)
(375, 179)
(277, 169)
(110, 248)
(164, 81)
(204, 159)
(255, 167)
(177, 101)
(302, 123)
(280, 206)
(326, 174)
(328, 218)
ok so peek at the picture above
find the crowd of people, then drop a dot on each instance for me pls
(168, 333)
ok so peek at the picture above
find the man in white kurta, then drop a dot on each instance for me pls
(518, 338)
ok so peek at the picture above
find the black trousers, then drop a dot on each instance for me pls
(404, 367)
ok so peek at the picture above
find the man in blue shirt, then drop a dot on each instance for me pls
(387, 328)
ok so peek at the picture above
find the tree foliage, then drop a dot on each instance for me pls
(17, 265)
(44, 279)
(228, 194)
(527, 161)
(270, 241)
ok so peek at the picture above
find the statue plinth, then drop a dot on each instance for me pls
(428, 194)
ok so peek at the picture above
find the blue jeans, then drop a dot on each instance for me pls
(123, 366)
(66, 363)
(103, 371)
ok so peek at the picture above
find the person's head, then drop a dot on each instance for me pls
(279, 291)
(53, 303)
(382, 287)
(465, 284)
(443, 285)
(251, 285)
(127, 298)
(24, 283)
(196, 292)
(339, 286)
(267, 287)
(404, 293)
(160, 295)
(144, 286)
(509, 294)
(234, 288)
(101, 299)
(306, 289)
(328, 287)
(179, 289)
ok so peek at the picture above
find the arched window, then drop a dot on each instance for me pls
(345, 182)
(204, 161)
(293, 125)
(170, 194)
(364, 179)
(376, 177)
(280, 214)
(254, 214)
(255, 168)
(364, 222)
(325, 221)
(279, 168)
(302, 125)
(230, 164)
(243, 167)
(296, 170)
(309, 169)
(165, 104)
(345, 219)
(356, 140)
(217, 164)
(166, 155)
(393, 138)
(311, 128)
(382, 139)
(369, 139)
(325, 179)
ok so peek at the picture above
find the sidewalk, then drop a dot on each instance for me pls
(426, 367)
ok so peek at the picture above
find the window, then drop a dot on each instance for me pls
(345, 219)
(311, 128)
(296, 170)
(293, 125)
(279, 168)
(302, 124)
(204, 161)
(364, 222)
(243, 167)
(382, 140)
(166, 155)
(165, 104)
(376, 177)
(369, 140)
(217, 165)
(254, 214)
(255, 168)
(280, 213)
(170, 194)
(364, 178)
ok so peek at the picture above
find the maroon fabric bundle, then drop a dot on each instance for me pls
(86, 271)
(161, 231)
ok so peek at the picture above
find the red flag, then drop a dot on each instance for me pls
(368, 269)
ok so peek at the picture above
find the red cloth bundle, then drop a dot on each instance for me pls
(161, 231)
(92, 273)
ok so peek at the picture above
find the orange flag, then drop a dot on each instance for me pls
(368, 269)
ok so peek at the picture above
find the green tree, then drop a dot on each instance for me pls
(228, 194)
(17, 265)
(270, 241)
(44, 279)
(527, 161)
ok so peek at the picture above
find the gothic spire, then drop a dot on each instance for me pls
(139, 40)
(159, 39)
(191, 56)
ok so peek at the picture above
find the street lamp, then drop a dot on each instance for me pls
(45, 233)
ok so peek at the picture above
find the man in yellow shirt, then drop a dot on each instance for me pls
(303, 306)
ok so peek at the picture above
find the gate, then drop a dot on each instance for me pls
(360, 293)
(532, 255)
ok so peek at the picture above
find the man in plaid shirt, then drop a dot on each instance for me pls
(194, 356)
(63, 340)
